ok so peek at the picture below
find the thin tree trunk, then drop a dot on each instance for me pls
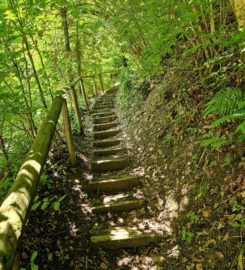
(101, 83)
(63, 13)
(18, 74)
(42, 63)
(84, 93)
(95, 87)
(2, 147)
(34, 70)
(239, 10)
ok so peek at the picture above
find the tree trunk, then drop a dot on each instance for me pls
(101, 83)
(239, 10)
(95, 87)
(68, 134)
(63, 13)
(34, 70)
(42, 63)
(84, 93)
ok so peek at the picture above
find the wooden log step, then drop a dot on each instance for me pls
(106, 134)
(115, 184)
(108, 96)
(124, 237)
(105, 165)
(107, 143)
(101, 120)
(109, 151)
(105, 100)
(99, 107)
(104, 105)
(102, 110)
(103, 114)
(120, 206)
(105, 126)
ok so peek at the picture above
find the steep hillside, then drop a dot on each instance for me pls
(195, 191)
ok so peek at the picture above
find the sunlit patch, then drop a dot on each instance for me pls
(86, 209)
(88, 176)
(73, 229)
(109, 199)
(174, 252)
(83, 157)
(139, 262)
(183, 204)
(119, 233)
(184, 190)
(120, 220)
(140, 171)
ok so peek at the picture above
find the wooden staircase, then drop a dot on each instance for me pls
(110, 156)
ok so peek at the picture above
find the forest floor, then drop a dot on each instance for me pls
(193, 194)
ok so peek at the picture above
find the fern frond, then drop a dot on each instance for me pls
(228, 118)
(213, 141)
(241, 129)
(225, 102)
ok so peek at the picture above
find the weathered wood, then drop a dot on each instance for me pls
(95, 87)
(115, 184)
(120, 206)
(107, 119)
(76, 109)
(101, 82)
(84, 94)
(102, 114)
(105, 126)
(109, 151)
(68, 134)
(109, 164)
(124, 237)
(107, 143)
(106, 134)
(13, 211)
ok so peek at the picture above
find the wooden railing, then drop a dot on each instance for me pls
(15, 207)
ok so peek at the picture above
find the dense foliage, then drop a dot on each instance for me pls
(46, 44)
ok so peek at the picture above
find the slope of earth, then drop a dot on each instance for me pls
(196, 192)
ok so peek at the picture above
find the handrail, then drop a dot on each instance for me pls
(14, 209)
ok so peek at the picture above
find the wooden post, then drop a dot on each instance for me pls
(68, 133)
(101, 83)
(94, 86)
(14, 208)
(76, 108)
(84, 93)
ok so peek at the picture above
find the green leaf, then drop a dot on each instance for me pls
(56, 206)
(35, 206)
(33, 257)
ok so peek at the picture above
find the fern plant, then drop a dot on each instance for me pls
(228, 105)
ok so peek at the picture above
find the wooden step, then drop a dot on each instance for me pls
(105, 165)
(124, 237)
(106, 119)
(109, 151)
(106, 134)
(115, 184)
(104, 103)
(105, 126)
(103, 114)
(99, 107)
(102, 110)
(120, 206)
(107, 143)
